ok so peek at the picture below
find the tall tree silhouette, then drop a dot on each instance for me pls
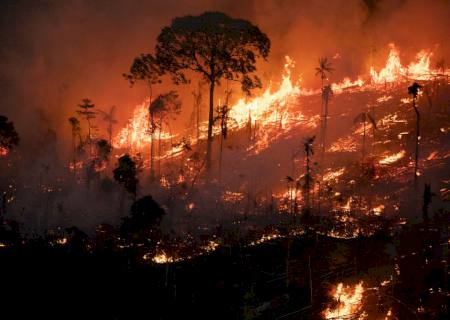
(427, 197)
(164, 105)
(198, 97)
(146, 69)
(217, 47)
(309, 151)
(323, 69)
(110, 119)
(88, 114)
(413, 90)
(327, 94)
(363, 118)
(223, 117)
(76, 132)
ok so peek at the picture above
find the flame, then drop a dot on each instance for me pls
(344, 144)
(392, 158)
(394, 71)
(230, 196)
(333, 175)
(346, 84)
(348, 301)
(378, 210)
(272, 113)
(136, 133)
(161, 257)
(264, 238)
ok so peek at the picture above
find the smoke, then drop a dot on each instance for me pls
(55, 53)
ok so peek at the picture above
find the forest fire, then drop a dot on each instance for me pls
(214, 162)
(348, 301)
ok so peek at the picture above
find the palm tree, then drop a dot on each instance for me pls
(363, 117)
(86, 112)
(309, 151)
(323, 69)
(110, 119)
(414, 91)
(326, 95)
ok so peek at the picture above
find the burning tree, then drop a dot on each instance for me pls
(146, 69)
(86, 112)
(109, 118)
(414, 91)
(223, 116)
(164, 105)
(217, 47)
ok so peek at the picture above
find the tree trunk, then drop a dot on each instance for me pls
(416, 157)
(159, 144)
(364, 142)
(152, 138)
(210, 124)
(90, 141)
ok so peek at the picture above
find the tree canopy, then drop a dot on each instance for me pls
(8, 134)
(126, 174)
(215, 46)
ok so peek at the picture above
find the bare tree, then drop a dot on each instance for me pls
(110, 119)
(76, 132)
(88, 114)
(413, 90)
(309, 151)
(363, 118)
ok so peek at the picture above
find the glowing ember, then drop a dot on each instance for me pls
(76, 166)
(378, 210)
(3, 152)
(433, 155)
(333, 175)
(264, 238)
(230, 196)
(210, 247)
(161, 257)
(345, 144)
(392, 158)
(61, 241)
(348, 301)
